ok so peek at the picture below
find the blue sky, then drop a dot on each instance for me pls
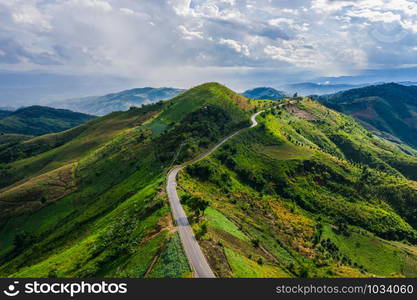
(181, 43)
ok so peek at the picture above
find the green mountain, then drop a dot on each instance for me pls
(308, 192)
(91, 202)
(4, 113)
(39, 120)
(118, 101)
(389, 110)
(264, 93)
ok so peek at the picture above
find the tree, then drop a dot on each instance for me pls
(203, 230)
(23, 239)
(197, 205)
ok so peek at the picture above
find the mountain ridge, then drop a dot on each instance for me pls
(264, 93)
(118, 101)
(40, 120)
(389, 108)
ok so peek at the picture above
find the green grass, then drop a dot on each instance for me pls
(136, 265)
(378, 256)
(115, 219)
(157, 126)
(284, 151)
(218, 220)
(37, 223)
(244, 267)
(172, 263)
(279, 180)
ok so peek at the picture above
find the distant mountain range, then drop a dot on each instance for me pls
(262, 93)
(39, 120)
(311, 88)
(120, 101)
(389, 108)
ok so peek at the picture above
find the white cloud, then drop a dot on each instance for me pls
(29, 15)
(150, 38)
(127, 11)
(238, 47)
(189, 34)
(94, 4)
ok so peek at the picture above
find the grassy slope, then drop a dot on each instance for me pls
(309, 204)
(109, 215)
(390, 108)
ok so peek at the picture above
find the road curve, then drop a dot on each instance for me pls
(192, 249)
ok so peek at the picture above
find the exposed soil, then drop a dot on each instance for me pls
(302, 114)
(216, 258)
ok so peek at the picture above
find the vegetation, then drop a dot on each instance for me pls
(90, 202)
(39, 120)
(389, 109)
(302, 192)
(264, 93)
(172, 262)
(308, 192)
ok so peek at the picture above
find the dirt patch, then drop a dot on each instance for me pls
(164, 224)
(368, 113)
(302, 114)
(216, 258)
(237, 244)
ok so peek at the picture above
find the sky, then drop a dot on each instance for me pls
(182, 43)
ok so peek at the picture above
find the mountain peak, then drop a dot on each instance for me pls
(264, 93)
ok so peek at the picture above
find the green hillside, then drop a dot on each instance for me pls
(90, 201)
(389, 110)
(4, 113)
(307, 193)
(39, 120)
(120, 101)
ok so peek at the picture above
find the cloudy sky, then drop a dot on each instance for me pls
(242, 43)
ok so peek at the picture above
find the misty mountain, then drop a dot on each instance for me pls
(120, 101)
(38, 88)
(310, 88)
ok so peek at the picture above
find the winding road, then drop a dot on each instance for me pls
(195, 256)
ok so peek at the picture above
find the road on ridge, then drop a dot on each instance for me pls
(195, 256)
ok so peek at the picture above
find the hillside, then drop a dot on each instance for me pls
(264, 93)
(389, 109)
(39, 120)
(4, 113)
(307, 193)
(91, 202)
(118, 101)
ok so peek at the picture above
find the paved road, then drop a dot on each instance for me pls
(192, 249)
